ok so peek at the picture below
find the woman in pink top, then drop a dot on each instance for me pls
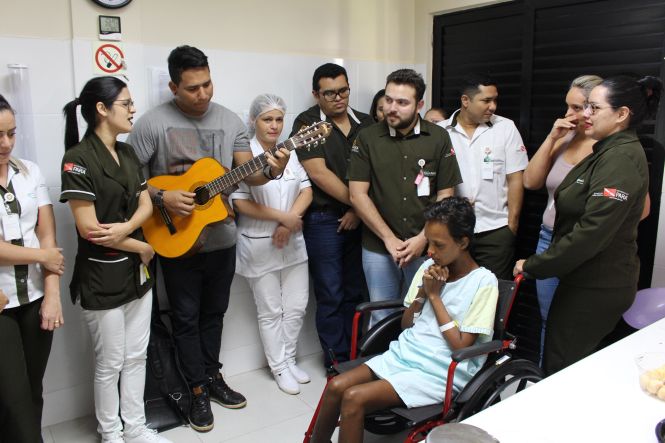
(565, 146)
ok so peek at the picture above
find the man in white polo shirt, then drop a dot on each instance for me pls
(491, 158)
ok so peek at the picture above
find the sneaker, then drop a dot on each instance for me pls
(222, 394)
(301, 376)
(287, 382)
(115, 437)
(200, 414)
(145, 435)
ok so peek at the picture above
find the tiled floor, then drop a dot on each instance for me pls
(270, 416)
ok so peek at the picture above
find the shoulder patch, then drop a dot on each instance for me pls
(451, 153)
(612, 194)
(73, 168)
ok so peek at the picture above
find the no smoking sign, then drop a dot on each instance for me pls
(109, 59)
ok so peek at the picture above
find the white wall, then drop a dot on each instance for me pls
(251, 50)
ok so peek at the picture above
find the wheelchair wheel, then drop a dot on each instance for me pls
(500, 380)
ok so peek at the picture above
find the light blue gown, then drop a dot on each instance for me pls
(416, 364)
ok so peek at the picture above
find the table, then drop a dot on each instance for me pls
(597, 399)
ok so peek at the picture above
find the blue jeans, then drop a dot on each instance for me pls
(386, 280)
(335, 265)
(545, 288)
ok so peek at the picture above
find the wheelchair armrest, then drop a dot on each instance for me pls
(476, 350)
(376, 305)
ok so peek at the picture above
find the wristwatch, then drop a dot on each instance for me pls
(159, 199)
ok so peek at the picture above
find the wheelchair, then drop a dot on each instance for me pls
(500, 375)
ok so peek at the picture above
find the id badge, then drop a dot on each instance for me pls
(423, 187)
(11, 227)
(488, 171)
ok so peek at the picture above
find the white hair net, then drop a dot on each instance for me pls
(262, 104)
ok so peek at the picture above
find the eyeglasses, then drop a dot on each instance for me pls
(332, 95)
(128, 104)
(594, 108)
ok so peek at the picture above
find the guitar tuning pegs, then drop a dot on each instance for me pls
(316, 143)
(323, 141)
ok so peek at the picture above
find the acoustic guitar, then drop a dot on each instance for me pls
(174, 236)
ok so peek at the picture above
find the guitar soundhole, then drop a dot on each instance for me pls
(202, 195)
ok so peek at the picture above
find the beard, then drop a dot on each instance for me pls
(402, 123)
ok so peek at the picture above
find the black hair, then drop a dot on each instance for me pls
(456, 213)
(641, 96)
(471, 83)
(439, 110)
(98, 89)
(183, 58)
(4, 105)
(328, 70)
(408, 77)
(375, 103)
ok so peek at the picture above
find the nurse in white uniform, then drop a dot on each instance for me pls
(271, 252)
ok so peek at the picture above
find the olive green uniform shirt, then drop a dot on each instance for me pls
(336, 151)
(391, 163)
(105, 278)
(598, 209)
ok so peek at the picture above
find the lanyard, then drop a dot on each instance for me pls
(12, 206)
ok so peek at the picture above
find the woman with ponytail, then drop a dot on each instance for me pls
(106, 191)
(30, 269)
(598, 207)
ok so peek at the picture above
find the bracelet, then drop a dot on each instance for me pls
(267, 173)
(420, 300)
(447, 326)
(416, 315)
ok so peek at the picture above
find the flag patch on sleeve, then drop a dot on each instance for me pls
(73, 168)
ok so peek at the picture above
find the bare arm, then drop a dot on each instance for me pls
(434, 279)
(515, 199)
(540, 164)
(51, 309)
(414, 309)
(86, 223)
(647, 207)
(325, 179)
(109, 234)
(48, 254)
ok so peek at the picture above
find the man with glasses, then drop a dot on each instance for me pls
(168, 140)
(331, 226)
(398, 168)
(492, 159)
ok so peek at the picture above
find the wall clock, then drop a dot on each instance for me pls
(112, 4)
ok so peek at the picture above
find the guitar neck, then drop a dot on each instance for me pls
(239, 173)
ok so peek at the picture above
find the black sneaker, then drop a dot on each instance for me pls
(200, 413)
(222, 394)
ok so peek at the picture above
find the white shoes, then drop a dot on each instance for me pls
(115, 437)
(301, 376)
(287, 382)
(146, 435)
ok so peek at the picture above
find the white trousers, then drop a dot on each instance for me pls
(281, 299)
(120, 339)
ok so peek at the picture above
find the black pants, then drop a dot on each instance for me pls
(198, 289)
(495, 250)
(579, 319)
(25, 349)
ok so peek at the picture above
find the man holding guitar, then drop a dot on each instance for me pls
(331, 226)
(168, 140)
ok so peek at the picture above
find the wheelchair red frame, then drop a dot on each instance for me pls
(419, 432)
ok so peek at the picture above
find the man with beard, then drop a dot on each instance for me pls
(398, 168)
(492, 158)
(331, 226)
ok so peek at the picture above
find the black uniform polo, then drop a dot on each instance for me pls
(104, 278)
(391, 163)
(336, 151)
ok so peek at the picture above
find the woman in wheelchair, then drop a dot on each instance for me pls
(451, 304)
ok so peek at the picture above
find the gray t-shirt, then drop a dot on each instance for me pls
(167, 141)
